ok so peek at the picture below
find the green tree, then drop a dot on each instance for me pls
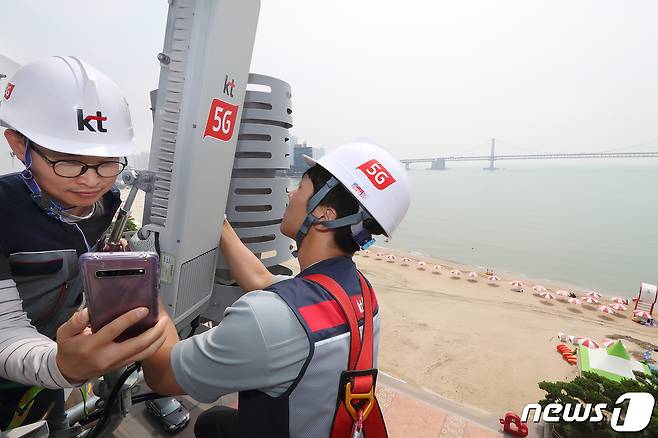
(131, 225)
(593, 388)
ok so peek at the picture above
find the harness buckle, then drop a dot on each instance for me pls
(358, 405)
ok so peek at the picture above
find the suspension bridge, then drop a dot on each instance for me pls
(439, 163)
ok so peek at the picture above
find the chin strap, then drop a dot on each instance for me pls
(361, 236)
(52, 208)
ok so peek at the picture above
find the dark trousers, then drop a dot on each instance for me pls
(48, 405)
(217, 422)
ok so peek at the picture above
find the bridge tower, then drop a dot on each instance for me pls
(438, 164)
(492, 157)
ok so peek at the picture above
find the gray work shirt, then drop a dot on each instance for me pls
(260, 344)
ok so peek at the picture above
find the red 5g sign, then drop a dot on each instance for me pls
(377, 174)
(221, 120)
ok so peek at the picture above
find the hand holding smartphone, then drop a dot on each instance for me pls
(116, 282)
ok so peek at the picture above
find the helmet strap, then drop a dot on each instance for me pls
(50, 207)
(361, 236)
(310, 219)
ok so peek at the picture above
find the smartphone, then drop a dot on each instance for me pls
(116, 282)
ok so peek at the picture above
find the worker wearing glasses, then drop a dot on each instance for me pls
(70, 126)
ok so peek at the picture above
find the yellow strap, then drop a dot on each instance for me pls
(24, 406)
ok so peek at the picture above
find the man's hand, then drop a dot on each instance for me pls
(83, 355)
(158, 373)
(122, 246)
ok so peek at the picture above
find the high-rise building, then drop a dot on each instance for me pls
(299, 166)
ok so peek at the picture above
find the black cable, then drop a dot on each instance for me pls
(146, 397)
(107, 408)
(90, 418)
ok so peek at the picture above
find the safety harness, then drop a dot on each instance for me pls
(357, 410)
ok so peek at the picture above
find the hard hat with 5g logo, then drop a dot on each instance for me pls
(374, 177)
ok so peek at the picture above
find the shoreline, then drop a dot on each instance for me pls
(506, 275)
(510, 272)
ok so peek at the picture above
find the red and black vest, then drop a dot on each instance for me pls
(314, 405)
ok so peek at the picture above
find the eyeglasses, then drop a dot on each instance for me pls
(75, 168)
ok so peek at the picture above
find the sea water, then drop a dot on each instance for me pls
(593, 225)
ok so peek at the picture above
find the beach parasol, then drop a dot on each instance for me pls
(517, 283)
(586, 342)
(405, 260)
(607, 309)
(421, 265)
(493, 278)
(590, 300)
(547, 295)
(607, 342)
(618, 306)
(436, 268)
(539, 288)
(575, 301)
(618, 300)
(366, 253)
(472, 275)
(379, 255)
(642, 314)
(593, 294)
(390, 258)
(563, 293)
(456, 272)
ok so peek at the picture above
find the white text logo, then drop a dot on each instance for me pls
(636, 419)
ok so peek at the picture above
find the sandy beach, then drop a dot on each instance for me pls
(479, 342)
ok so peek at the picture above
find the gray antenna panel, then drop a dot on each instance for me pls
(174, 60)
(262, 146)
(259, 193)
(268, 101)
(257, 199)
(203, 80)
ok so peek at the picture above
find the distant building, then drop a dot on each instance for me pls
(299, 166)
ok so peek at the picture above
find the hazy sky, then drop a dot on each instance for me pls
(423, 78)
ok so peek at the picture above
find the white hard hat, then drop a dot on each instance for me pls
(66, 105)
(375, 177)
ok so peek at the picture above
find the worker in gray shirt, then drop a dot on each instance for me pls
(70, 126)
(301, 352)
